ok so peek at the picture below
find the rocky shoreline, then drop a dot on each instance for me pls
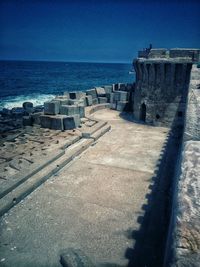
(32, 137)
(68, 104)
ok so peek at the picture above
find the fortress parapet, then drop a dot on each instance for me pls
(162, 79)
(187, 54)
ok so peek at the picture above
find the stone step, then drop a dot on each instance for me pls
(35, 179)
(25, 174)
(21, 191)
(87, 133)
(100, 132)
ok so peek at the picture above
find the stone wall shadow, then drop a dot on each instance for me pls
(150, 240)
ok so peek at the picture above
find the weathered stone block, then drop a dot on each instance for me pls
(71, 122)
(95, 101)
(157, 53)
(64, 109)
(57, 122)
(92, 92)
(112, 97)
(102, 100)
(89, 100)
(66, 94)
(122, 105)
(108, 98)
(62, 100)
(73, 102)
(36, 117)
(5, 112)
(108, 89)
(100, 91)
(18, 112)
(76, 95)
(115, 87)
(81, 108)
(69, 110)
(120, 96)
(122, 86)
(62, 96)
(45, 121)
(27, 121)
(117, 96)
(83, 101)
(28, 106)
(113, 105)
(51, 107)
(52, 122)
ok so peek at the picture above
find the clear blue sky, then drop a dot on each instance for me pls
(101, 31)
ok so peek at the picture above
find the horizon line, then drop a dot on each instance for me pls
(65, 61)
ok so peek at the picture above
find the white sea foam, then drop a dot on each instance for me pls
(17, 101)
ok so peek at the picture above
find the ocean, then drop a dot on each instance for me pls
(40, 81)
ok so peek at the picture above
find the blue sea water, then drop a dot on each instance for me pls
(40, 81)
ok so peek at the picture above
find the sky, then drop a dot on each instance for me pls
(95, 31)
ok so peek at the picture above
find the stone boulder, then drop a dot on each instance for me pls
(28, 107)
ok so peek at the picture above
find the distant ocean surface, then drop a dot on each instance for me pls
(40, 81)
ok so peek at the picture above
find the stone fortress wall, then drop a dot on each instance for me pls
(162, 79)
(183, 248)
(167, 92)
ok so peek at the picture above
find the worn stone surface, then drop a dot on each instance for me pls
(160, 84)
(121, 96)
(178, 54)
(94, 204)
(75, 258)
(192, 129)
(122, 105)
(81, 109)
(187, 232)
(27, 121)
(92, 92)
(66, 94)
(108, 89)
(94, 101)
(63, 100)
(184, 235)
(100, 91)
(51, 107)
(77, 95)
(45, 121)
(112, 100)
(102, 100)
(71, 122)
(89, 100)
(23, 148)
(69, 110)
(28, 106)
(36, 117)
(57, 122)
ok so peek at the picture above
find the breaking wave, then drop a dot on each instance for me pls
(17, 101)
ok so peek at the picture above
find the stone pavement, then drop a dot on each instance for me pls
(93, 204)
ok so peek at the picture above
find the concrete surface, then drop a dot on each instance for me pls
(93, 204)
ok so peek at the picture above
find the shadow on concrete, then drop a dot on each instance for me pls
(128, 116)
(150, 240)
